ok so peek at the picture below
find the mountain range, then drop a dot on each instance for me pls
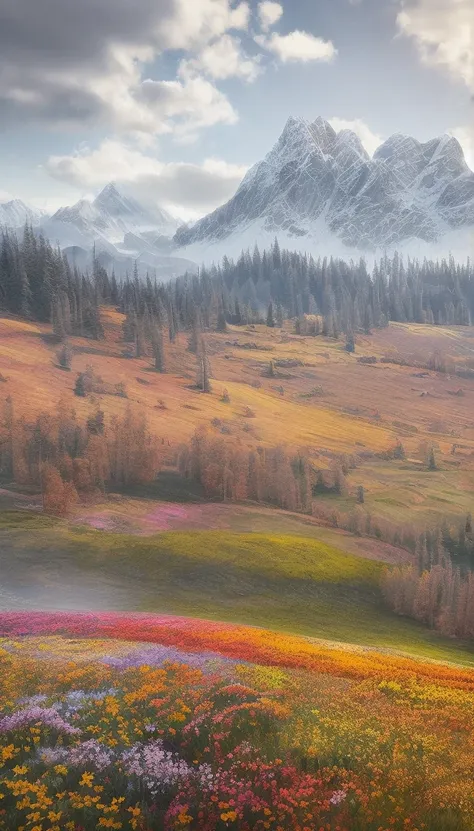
(122, 229)
(316, 190)
(15, 213)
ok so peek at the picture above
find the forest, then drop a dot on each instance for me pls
(38, 282)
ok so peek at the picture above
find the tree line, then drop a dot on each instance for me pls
(64, 457)
(441, 597)
(232, 472)
(326, 296)
(38, 283)
(438, 587)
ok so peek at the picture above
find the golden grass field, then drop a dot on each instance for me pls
(329, 402)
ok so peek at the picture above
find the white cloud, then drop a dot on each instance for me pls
(269, 13)
(443, 31)
(191, 25)
(191, 189)
(112, 160)
(223, 59)
(369, 139)
(83, 63)
(185, 106)
(298, 46)
(465, 137)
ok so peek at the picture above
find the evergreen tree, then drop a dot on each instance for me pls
(221, 319)
(80, 385)
(350, 343)
(203, 368)
(432, 460)
(159, 350)
(270, 318)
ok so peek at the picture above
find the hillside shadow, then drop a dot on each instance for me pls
(168, 486)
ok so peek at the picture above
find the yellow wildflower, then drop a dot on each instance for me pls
(86, 780)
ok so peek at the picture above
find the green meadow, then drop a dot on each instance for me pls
(286, 583)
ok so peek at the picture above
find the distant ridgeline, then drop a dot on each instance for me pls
(38, 282)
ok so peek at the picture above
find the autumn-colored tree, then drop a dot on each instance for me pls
(58, 496)
(85, 456)
(232, 472)
(133, 452)
(441, 597)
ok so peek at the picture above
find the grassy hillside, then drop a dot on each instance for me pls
(290, 584)
(133, 515)
(321, 398)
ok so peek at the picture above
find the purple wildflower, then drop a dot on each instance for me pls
(79, 700)
(338, 797)
(155, 768)
(47, 716)
(90, 754)
(32, 700)
(158, 655)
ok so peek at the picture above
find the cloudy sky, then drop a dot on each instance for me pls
(177, 98)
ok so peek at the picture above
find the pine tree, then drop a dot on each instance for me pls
(159, 350)
(279, 316)
(140, 341)
(432, 460)
(195, 337)
(221, 325)
(203, 368)
(64, 356)
(350, 343)
(80, 385)
(270, 318)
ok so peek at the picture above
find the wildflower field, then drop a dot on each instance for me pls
(155, 722)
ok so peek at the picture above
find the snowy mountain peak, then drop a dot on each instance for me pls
(347, 142)
(80, 210)
(110, 191)
(14, 214)
(324, 134)
(111, 216)
(116, 203)
(318, 184)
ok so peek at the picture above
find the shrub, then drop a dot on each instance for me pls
(64, 356)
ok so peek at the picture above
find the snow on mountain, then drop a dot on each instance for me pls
(15, 213)
(320, 191)
(122, 229)
(113, 214)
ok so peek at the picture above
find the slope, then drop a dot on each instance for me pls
(289, 584)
